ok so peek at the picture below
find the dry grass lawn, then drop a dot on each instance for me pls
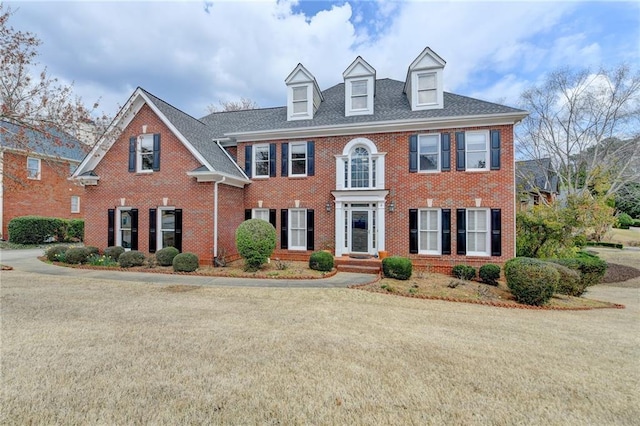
(628, 237)
(109, 352)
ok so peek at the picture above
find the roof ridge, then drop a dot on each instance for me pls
(155, 98)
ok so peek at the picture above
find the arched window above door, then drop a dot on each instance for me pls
(360, 166)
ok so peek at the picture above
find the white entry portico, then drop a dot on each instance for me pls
(360, 199)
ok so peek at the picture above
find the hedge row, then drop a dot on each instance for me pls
(38, 230)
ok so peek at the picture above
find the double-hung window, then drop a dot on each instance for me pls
(145, 153)
(300, 100)
(33, 168)
(359, 95)
(167, 228)
(429, 231)
(126, 220)
(478, 232)
(75, 204)
(477, 152)
(261, 161)
(297, 229)
(427, 89)
(298, 159)
(429, 152)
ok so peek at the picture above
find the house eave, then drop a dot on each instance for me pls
(210, 176)
(86, 180)
(420, 124)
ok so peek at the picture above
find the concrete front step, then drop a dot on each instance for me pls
(363, 266)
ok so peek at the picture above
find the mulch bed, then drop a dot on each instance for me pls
(619, 273)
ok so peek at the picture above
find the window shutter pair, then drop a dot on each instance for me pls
(153, 233)
(284, 229)
(494, 158)
(445, 153)
(133, 153)
(311, 159)
(111, 228)
(445, 231)
(496, 232)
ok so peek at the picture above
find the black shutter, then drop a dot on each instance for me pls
(247, 214)
(413, 230)
(285, 160)
(495, 150)
(178, 229)
(272, 217)
(134, 229)
(153, 240)
(446, 231)
(284, 229)
(461, 221)
(247, 160)
(496, 232)
(413, 153)
(311, 159)
(111, 232)
(445, 151)
(156, 152)
(460, 158)
(310, 230)
(272, 160)
(132, 154)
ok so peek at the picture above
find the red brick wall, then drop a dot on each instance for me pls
(50, 196)
(451, 189)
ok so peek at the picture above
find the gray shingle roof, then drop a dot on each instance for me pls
(390, 103)
(199, 135)
(536, 175)
(55, 145)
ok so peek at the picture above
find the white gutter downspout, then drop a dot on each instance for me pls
(215, 218)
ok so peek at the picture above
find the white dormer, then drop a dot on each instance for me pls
(303, 94)
(423, 86)
(359, 88)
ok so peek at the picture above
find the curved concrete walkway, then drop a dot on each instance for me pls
(27, 261)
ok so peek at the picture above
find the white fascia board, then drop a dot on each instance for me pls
(210, 176)
(382, 127)
(234, 163)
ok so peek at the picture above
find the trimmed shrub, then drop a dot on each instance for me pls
(114, 252)
(131, 258)
(255, 240)
(590, 267)
(624, 221)
(636, 223)
(489, 274)
(92, 250)
(464, 272)
(56, 253)
(185, 262)
(165, 256)
(35, 229)
(75, 230)
(76, 255)
(321, 261)
(397, 267)
(570, 281)
(531, 281)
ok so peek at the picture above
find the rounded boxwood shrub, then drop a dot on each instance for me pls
(570, 282)
(464, 272)
(397, 267)
(56, 253)
(185, 262)
(91, 250)
(114, 252)
(321, 261)
(531, 281)
(131, 258)
(590, 267)
(255, 241)
(489, 274)
(76, 255)
(165, 256)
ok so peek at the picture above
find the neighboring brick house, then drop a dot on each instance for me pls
(368, 165)
(536, 183)
(34, 172)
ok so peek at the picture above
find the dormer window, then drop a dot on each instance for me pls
(303, 94)
(423, 86)
(300, 101)
(359, 86)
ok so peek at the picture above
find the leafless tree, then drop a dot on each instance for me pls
(588, 124)
(242, 104)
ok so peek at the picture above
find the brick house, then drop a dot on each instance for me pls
(366, 166)
(34, 171)
(536, 183)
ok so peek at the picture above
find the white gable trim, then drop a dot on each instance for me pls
(358, 68)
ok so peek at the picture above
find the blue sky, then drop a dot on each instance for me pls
(195, 53)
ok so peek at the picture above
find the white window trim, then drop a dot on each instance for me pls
(290, 229)
(373, 155)
(159, 228)
(139, 168)
(309, 101)
(439, 104)
(255, 213)
(75, 208)
(486, 151)
(118, 229)
(38, 173)
(254, 160)
(438, 168)
(349, 110)
(306, 159)
(438, 231)
(434, 89)
(487, 251)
